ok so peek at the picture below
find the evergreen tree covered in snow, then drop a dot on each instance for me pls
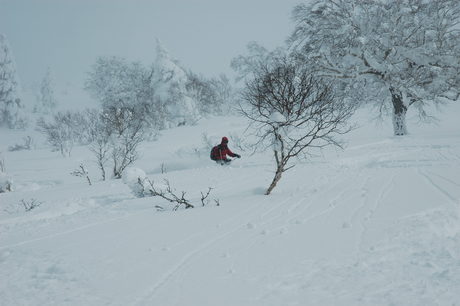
(163, 95)
(10, 103)
(171, 87)
(46, 100)
(118, 84)
(405, 52)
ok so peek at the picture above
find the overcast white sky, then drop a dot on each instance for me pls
(204, 35)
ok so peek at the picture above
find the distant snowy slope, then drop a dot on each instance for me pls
(375, 224)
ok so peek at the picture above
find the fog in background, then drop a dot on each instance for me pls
(68, 35)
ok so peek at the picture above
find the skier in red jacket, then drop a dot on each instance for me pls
(219, 153)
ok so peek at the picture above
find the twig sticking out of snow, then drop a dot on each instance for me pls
(170, 195)
(31, 204)
(82, 172)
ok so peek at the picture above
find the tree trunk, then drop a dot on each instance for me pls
(279, 172)
(399, 112)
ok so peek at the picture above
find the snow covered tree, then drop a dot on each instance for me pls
(10, 103)
(117, 83)
(212, 96)
(405, 52)
(292, 111)
(224, 94)
(46, 100)
(200, 89)
(171, 81)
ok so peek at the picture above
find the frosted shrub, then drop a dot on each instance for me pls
(6, 183)
(64, 131)
(26, 145)
(131, 177)
(28, 205)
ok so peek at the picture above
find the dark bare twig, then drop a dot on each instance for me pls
(205, 196)
(82, 172)
(170, 195)
(29, 205)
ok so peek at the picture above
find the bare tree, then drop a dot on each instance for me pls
(64, 131)
(395, 54)
(59, 133)
(292, 111)
(126, 133)
(114, 135)
(98, 136)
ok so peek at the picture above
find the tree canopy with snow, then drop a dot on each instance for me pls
(46, 100)
(10, 103)
(406, 52)
(165, 93)
(171, 88)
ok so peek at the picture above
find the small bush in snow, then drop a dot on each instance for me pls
(82, 172)
(131, 176)
(126, 132)
(144, 187)
(2, 163)
(64, 131)
(30, 204)
(114, 135)
(26, 145)
(6, 184)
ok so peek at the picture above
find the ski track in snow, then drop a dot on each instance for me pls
(176, 269)
(445, 178)
(451, 199)
(396, 254)
(77, 229)
(383, 192)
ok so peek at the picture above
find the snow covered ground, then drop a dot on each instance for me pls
(375, 224)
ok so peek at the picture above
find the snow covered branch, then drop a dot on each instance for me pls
(168, 194)
(145, 187)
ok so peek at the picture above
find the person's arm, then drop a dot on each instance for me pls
(229, 152)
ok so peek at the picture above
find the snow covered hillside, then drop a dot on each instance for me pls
(375, 224)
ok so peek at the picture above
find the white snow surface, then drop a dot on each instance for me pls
(375, 224)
